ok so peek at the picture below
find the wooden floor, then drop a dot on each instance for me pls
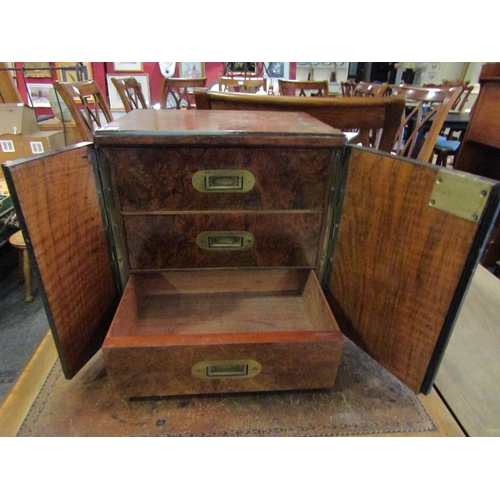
(469, 377)
(464, 402)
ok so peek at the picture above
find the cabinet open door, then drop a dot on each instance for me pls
(57, 202)
(406, 243)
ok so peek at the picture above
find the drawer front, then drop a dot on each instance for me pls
(161, 179)
(164, 371)
(222, 240)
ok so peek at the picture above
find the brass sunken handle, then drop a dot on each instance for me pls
(223, 181)
(225, 240)
(227, 368)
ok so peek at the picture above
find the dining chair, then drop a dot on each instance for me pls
(86, 104)
(177, 93)
(241, 84)
(348, 88)
(365, 89)
(380, 114)
(130, 92)
(448, 142)
(426, 111)
(290, 87)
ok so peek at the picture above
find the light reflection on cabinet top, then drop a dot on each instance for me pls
(232, 127)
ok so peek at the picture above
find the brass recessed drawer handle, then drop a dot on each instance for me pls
(225, 240)
(231, 368)
(223, 181)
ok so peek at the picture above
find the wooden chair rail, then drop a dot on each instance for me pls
(243, 84)
(290, 87)
(341, 113)
(179, 91)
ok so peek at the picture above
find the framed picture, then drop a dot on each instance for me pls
(241, 68)
(39, 94)
(192, 70)
(127, 66)
(114, 98)
(37, 70)
(74, 72)
(275, 69)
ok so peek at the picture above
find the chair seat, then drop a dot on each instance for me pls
(443, 144)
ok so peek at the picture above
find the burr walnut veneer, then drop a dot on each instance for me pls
(219, 251)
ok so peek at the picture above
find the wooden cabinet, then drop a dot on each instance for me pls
(223, 251)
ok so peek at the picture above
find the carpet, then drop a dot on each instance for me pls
(366, 399)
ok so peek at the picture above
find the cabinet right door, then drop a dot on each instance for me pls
(407, 237)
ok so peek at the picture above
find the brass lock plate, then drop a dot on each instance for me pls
(228, 368)
(223, 181)
(225, 240)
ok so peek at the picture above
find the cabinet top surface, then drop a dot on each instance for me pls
(174, 126)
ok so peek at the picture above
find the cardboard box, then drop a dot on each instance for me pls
(41, 142)
(15, 120)
(20, 135)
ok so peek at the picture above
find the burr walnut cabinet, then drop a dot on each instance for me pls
(223, 251)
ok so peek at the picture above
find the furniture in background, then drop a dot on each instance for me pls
(290, 88)
(333, 72)
(70, 130)
(365, 89)
(94, 110)
(17, 241)
(130, 93)
(177, 93)
(241, 84)
(422, 105)
(479, 153)
(448, 143)
(348, 88)
(381, 114)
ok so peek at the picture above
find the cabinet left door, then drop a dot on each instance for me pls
(56, 199)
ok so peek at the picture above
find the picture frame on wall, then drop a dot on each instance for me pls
(37, 69)
(67, 72)
(128, 66)
(192, 70)
(39, 94)
(114, 98)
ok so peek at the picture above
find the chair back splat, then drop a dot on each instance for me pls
(422, 104)
(86, 104)
(177, 93)
(381, 114)
(314, 88)
(130, 92)
(348, 88)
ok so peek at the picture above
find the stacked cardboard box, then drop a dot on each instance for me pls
(20, 136)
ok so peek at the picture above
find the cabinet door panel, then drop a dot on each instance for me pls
(401, 266)
(56, 201)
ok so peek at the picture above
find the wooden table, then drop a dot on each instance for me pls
(469, 376)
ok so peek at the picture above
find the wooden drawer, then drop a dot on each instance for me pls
(161, 179)
(173, 241)
(194, 332)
